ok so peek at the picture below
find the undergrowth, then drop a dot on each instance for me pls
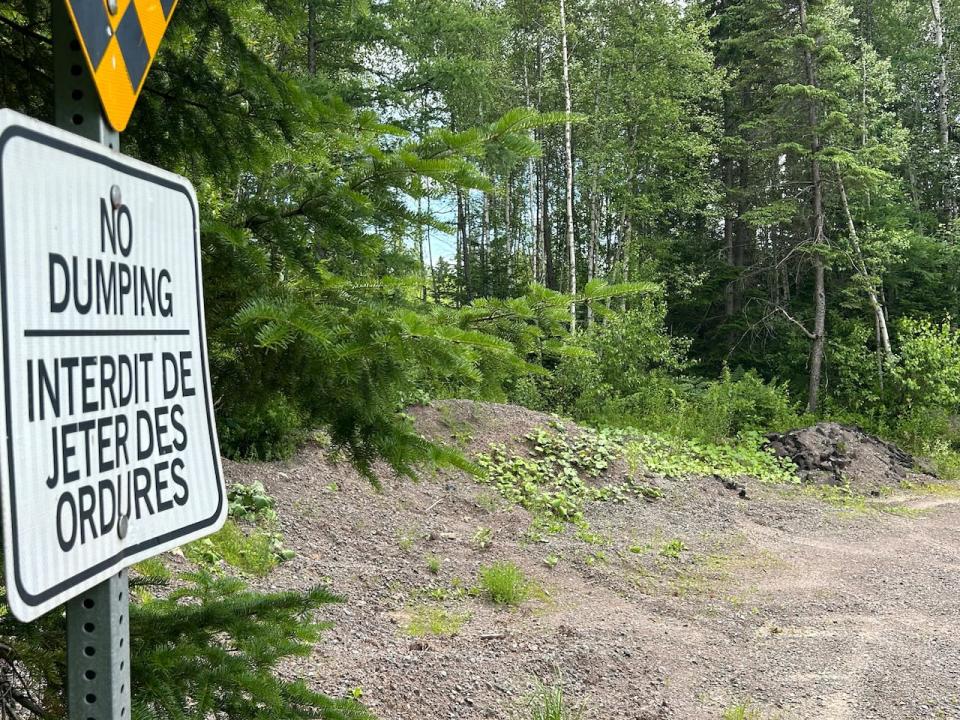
(553, 480)
(675, 457)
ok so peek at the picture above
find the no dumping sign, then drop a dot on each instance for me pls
(110, 453)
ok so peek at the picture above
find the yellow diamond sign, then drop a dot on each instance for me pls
(120, 39)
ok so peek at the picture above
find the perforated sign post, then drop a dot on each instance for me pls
(110, 453)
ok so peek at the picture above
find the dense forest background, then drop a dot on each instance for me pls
(698, 218)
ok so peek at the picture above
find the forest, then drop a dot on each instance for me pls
(414, 200)
(708, 219)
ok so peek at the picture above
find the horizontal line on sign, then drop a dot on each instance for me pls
(100, 333)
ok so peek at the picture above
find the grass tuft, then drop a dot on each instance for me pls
(504, 583)
(434, 621)
(550, 703)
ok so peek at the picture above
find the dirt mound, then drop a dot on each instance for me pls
(475, 426)
(834, 454)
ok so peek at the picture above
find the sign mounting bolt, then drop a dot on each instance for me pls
(112, 6)
(123, 524)
(115, 198)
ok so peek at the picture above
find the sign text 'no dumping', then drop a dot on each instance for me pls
(111, 453)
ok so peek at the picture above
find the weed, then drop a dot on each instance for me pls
(435, 621)
(551, 561)
(482, 538)
(550, 703)
(590, 537)
(407, 540)
(433, 564)
(255, 554)
(152, 570)
(673, 549)
(251, 502)
(488, 501)
(551, 482)
(743, 711)
(504, 583)
(676, 457)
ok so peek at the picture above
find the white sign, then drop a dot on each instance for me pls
(111, 451)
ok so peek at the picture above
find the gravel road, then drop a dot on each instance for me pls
(779, 601)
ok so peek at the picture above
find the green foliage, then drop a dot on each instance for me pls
(553, 481)
(551, 703)
(593, 379)
(153, 570)
(677, 458)
(743, 711)
(673, 549)
(504, 583)
(926, 378)
(251, 502)
(427, 621)
(482, 538)
(212, 647)
(255, 552)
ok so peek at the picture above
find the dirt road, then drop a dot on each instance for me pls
(780, 601)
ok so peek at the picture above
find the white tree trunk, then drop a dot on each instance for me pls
(568, 152)
(943, 120)
(880, 319)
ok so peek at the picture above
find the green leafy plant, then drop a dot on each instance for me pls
(254, 553)
(483, 538)
(434, 564)
(554, 479)
(673, 549)
(677, 457)
(251, 502)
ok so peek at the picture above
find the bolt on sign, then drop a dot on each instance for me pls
(119, 39)
(111, 452)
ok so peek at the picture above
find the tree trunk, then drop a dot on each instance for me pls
(464, 245)
(943, 120)
(568, 153)
(884, 351)
(818, 338)
(592, 249)
(433, 275)
(546, 228)
(484, 246)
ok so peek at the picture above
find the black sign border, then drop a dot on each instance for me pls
(116, 561)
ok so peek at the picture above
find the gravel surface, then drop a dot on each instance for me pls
(780, 600)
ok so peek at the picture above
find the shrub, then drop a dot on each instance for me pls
(504, 583)
(735, 404)
(260, 428)
(209, 649)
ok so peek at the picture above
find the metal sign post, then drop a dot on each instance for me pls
(98, 627)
